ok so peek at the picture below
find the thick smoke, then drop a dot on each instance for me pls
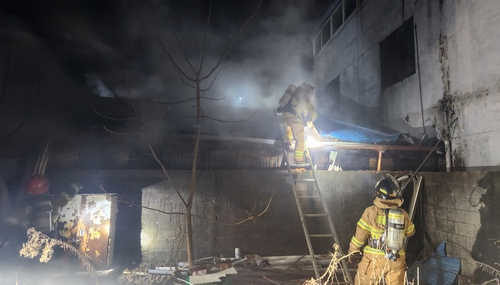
(118, 43)
(108, 48)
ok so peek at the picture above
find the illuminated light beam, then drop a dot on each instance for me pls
(145, 239)
(311, 142)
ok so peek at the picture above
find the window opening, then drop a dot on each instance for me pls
(397, 55)
(337, 19)
(325, 33)
(350, 7)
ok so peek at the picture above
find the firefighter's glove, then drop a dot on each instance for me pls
(353, 255)
(280, 109)
(310, 125)
(286, 146)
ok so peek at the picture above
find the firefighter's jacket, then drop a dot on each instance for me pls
(298, 101)
(372, 225)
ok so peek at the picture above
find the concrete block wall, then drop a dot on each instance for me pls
(462, 208)
(224, 198)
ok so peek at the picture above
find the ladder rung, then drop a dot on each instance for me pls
(315, 215)
(321, 235)
(305, 180)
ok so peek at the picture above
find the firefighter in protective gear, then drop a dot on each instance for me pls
(38, 208)
(380, 264)
(297, 106)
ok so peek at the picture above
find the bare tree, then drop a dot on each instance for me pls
(194, 77)
(195, 81)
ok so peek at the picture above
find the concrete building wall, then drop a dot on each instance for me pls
(457, 62)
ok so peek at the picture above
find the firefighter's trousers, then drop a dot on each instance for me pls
(376, 269)
(297, 126)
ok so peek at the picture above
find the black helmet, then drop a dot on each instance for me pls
(388, 188)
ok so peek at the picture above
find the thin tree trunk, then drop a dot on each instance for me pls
(192, 184)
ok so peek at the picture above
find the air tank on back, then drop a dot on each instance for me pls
(395, 231)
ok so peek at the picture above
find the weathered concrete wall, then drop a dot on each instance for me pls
(459, 72)
(463, 208)
(226, 197)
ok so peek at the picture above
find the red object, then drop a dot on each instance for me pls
(37, 185)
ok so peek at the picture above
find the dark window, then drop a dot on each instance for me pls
(317, 44)
(337, 19)
(397, 55)
(325, 33)
(333, 91)
(350, 6)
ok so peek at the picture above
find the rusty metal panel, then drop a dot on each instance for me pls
(88, 222)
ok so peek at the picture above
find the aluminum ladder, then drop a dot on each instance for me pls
(306, 191)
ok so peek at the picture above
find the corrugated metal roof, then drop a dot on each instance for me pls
(223, 159)
(227, 121)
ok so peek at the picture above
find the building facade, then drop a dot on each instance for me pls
(421, 67)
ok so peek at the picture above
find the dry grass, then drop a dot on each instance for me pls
(329, 276)
(39, 244)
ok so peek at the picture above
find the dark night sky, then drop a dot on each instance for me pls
(55, 55)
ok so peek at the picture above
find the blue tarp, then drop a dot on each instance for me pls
(330, 128)
(437, 270)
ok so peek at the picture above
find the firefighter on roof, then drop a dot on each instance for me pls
(297, 106)
(383, 226)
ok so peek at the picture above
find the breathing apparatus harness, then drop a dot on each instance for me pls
(288, 107)
(392, 239)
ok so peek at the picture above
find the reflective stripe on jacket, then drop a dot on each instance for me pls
(372, 223)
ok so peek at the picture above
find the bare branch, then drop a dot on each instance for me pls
(111, 118)
(153, 152)
(178, 43)
(121, 134)
(146, 120)
(203, 50)
(118, 97)
(182, 79)
(173, 103)
(151, 149)
(99, 185)
(224, 121)
(210, 86)
(251, 217)
(230, 43)
(156, 117)
(213, 99)
(176, 66)
(187, 100)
